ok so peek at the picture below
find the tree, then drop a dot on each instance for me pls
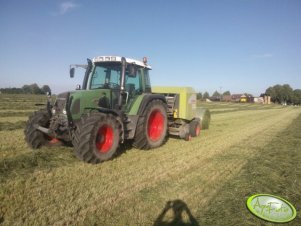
(199, 96)
(226, 93)
(297, 96)
(11, 90)
(270, 92)
(288, 93)
(281, 94)
(206, 95)
(216, 94)
(35, 89)
(26, 89)
(46, 89)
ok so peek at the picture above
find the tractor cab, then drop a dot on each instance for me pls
(117, 81)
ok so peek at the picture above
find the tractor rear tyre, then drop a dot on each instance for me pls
(96, 137)
(195, 128)
(35, 138)
(152, 126)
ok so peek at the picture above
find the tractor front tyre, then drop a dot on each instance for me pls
(35, 138)
(152, 126)
(195, 128)
(97, 137)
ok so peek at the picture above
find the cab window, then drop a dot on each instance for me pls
(106, 76)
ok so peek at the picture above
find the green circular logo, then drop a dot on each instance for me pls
(271, 208)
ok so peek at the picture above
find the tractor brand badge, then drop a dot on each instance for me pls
(271, 208)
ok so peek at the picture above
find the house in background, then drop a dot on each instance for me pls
(266, 99)
(258, 100)
(242, 98)
(235, 97)
(226, 98)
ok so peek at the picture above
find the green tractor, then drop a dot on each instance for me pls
(114, 104)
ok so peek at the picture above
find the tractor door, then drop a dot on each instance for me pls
(133, 85)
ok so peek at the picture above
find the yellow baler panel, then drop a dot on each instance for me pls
(187, 101)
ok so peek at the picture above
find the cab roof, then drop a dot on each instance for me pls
(98, 59)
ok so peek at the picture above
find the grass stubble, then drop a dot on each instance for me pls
(248, 149)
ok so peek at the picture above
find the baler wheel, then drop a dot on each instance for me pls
(195, 128)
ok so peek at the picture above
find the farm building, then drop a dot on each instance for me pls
(226, 98)
(242, 98)
(258, 100)
(236, 97)
(266, 99)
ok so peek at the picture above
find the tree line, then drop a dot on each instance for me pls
(284, 94)
(27, 89)
(215, 95)
(280, 94)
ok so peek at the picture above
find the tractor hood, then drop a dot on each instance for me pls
(81, 101)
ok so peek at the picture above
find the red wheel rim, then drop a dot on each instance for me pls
(104, 139)
(155, 125)
(197, 130)
(54, 141)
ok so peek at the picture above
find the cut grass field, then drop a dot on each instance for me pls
(248, 149)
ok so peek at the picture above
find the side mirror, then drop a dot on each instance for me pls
(72, 71)
(132, 70)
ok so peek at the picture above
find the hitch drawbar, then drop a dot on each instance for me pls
(42, 129)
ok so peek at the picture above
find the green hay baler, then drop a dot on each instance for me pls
(185, 119)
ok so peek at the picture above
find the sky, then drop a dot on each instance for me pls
(243, 46)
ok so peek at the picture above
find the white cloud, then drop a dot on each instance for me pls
(264, 55)
(65, 7)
